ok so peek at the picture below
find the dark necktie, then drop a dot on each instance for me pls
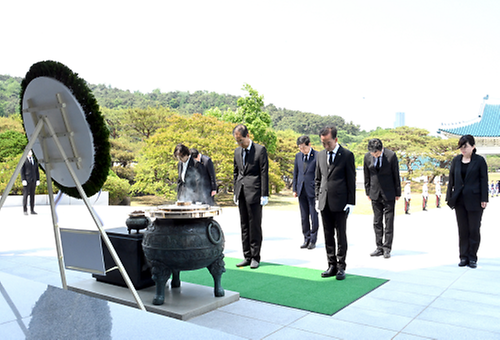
(330, 158)
(305, 162)
(245, 156)
(377, 165)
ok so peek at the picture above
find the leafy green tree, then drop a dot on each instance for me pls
(257, 120)
(440, 153)
(12, 123)
(114, 120)
(229, 115)
(145, 122)
(250, 113)
(156, 171)
(284, 156)
(123, 154)
(12, 143)
(493, 162)
(118, 188)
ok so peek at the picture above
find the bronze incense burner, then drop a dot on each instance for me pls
(184, 236)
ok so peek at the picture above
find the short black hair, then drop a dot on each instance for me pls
(194, 153)
(181, 150)
(330, 129)
(375, 145)
(303, 140)
(467, 139)
(242, 129)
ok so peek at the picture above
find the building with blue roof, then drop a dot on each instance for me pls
(485, 129)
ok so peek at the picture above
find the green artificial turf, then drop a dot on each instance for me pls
(289, 286)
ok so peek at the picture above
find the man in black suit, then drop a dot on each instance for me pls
(30, 176)
(189, 181)
(304, 170)
(383, 189)
(335, 185)
(251, 192)
(209, 182)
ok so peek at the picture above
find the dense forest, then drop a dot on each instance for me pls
(186, 103)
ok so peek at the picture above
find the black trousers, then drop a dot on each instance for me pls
(383, 236)
(309, 218)
(469, 223)
(29, 190)
(335, 222)
(251, 227)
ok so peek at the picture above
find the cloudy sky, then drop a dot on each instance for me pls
(363, 60)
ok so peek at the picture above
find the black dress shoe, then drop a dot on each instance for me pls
(33, 213)
(254, 264)
(472, 264)
(340, 274)
(463, 263)
(331, 271)
(305, 245)
(26, 213)
(378, 252)
(311, 246)
(387, 254)
(243, 263)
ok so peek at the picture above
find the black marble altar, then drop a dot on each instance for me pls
(129, 249)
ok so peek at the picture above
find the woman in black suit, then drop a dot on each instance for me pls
(468, 194)
(190, 179)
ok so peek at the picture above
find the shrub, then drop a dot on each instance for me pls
(118, 188)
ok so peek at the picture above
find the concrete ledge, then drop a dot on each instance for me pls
(97, 199)
(182, 303)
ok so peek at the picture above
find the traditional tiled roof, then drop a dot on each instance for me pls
(486, 125)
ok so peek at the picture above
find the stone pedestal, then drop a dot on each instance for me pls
(129, 249)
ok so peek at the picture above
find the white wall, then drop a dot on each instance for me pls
(97, 199)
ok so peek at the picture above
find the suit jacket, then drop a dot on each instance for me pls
(337, 182)
(30, 172)
(209, 167)
(386, 181)
(303, 179)
(254, 176)
(474, 186)
(190, 190)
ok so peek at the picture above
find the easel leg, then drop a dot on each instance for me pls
(97, 222)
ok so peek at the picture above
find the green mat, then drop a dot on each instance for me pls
(289, 286)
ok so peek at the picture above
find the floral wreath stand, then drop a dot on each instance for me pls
(69, 138)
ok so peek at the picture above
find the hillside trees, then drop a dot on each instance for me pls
(182, 102)
(307, 123)
(186, 103)
(9, 95)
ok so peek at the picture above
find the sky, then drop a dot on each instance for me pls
(363, 60)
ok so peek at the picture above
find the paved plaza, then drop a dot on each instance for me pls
(427, 296)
